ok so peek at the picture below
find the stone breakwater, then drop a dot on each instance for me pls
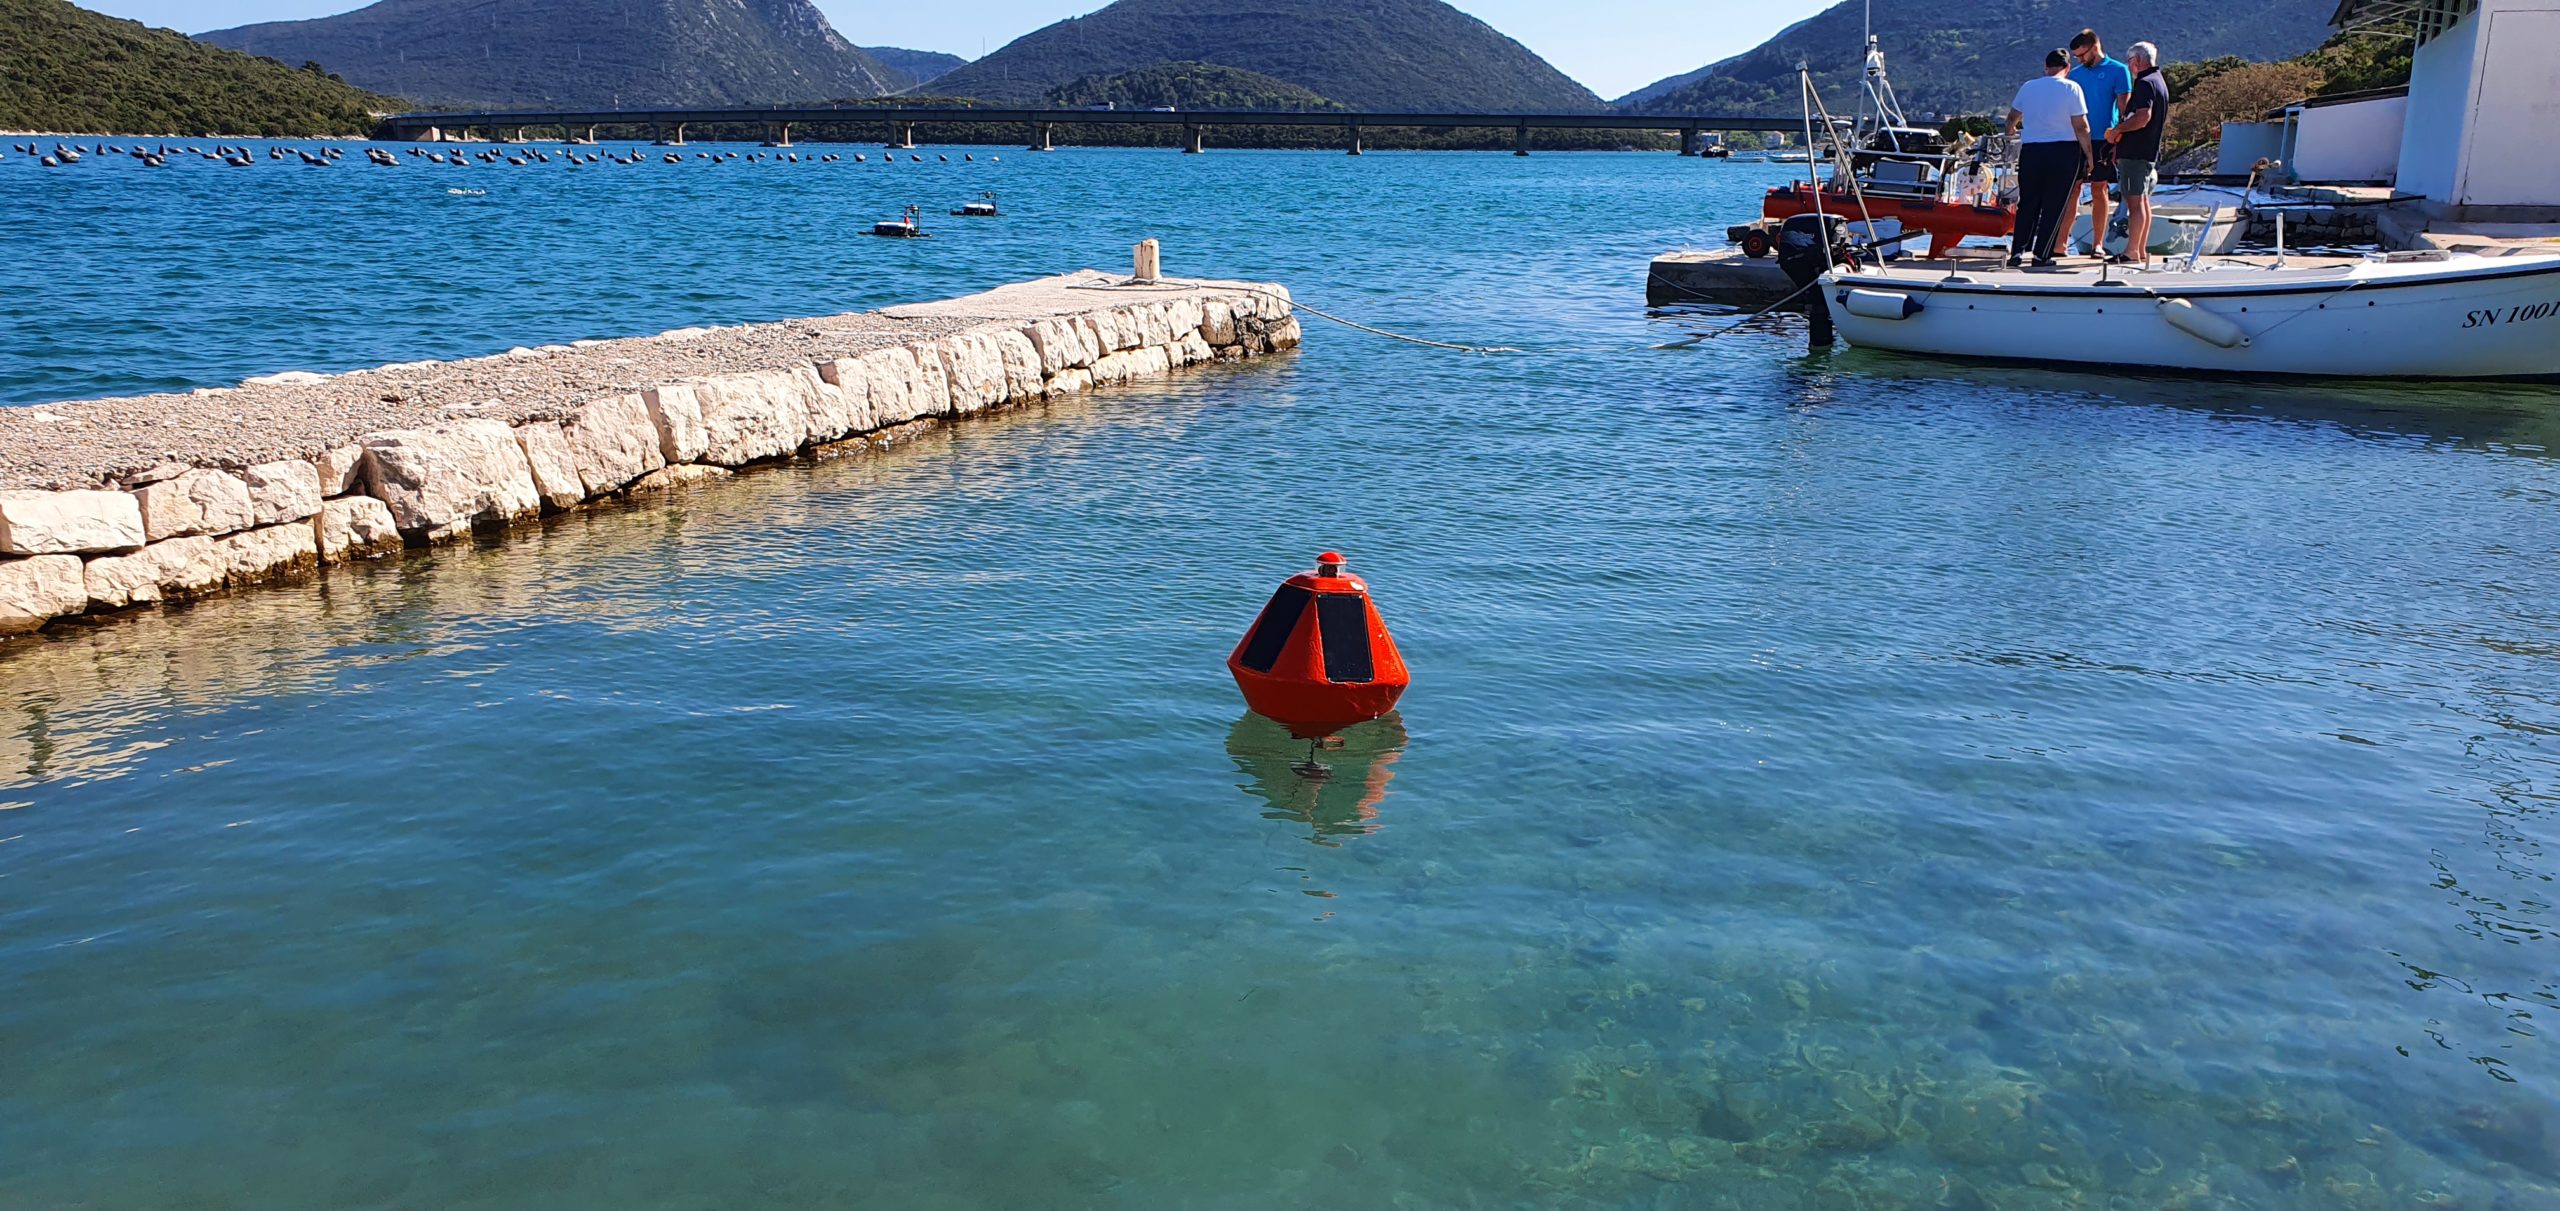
(107, 505)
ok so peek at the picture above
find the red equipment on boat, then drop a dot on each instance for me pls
(1946, 222)
(1319, 658)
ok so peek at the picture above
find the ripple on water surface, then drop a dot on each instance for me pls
(1829, 782)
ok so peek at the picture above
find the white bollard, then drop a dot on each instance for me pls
(1150, 261)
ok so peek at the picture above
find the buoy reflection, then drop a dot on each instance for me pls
(1338, 803)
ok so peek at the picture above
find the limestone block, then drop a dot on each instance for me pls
(1286, 334)
(1273, 302)
(198, 501)
(1192, 349)
(1024, 379)
(188, 567)
(751, 417)
(283, 491)
(268, 554)
(933, 382)
(675, 476)
(555, 469)
(69, 523)
(1155, 331)
(843, 406)
(341, 471)
(1182, 315)
(37, 589)
(1153, 361)
(1113, 369)
(612, 441)
(1061, 343)
(442, 479)
(678, 417)
(894, 386)
(1217, 322)
(1114, 330)
(1075, 381)
(975, 369)
(354, 527)
(116, 581)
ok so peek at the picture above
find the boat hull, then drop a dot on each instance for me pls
(2478, 321)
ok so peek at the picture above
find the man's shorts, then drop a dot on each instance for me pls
(2135, 178)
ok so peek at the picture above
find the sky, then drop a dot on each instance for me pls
(1612, 46)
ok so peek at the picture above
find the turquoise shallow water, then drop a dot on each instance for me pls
(1830, 782)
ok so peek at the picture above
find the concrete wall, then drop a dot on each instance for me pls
(2245, 143)
(183, 532)
(2514, 131)
(2439, 114)
(2349, 144)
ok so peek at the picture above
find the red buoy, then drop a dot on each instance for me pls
(1319, 659)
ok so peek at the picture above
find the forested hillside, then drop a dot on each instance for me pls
(1189, 86)
(1970, 58)
(64, 68)
(1409, 55)
(617, 53)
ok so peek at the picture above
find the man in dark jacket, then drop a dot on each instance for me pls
(2137, 141)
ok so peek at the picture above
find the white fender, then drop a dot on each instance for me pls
(1881, 304)
(2204, 325)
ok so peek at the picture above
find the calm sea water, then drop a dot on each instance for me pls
(1834, 781)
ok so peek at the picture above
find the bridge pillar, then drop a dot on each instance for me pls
(1040, 138)
(591, 136)
(1194, 139)
(1688, 140)
(679, 134)
(906, 136)
(1520, 140)
(778, 134)
(1352, 132)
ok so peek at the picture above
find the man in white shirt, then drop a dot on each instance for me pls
(2050, 120)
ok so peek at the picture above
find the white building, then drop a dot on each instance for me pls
(2481, 139)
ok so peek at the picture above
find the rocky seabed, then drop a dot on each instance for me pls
(176, 533)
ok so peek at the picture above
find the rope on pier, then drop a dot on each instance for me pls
(1176, 284)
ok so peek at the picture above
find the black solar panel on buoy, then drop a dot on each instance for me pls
(1343, 622)
(1279, 619)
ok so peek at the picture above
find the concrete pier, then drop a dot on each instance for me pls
(1721, 275)
(109, 505)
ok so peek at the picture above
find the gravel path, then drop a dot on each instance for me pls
(92, 442)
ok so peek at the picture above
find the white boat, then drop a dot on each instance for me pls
(2394, 315)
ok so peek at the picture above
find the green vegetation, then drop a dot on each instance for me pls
(1411, 55)
(2232, 89)
(604, 53)
(914, 68)
(1189, 86)
(1970, 58)
(66, 69)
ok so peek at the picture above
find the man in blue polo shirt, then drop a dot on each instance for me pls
(2108, 84)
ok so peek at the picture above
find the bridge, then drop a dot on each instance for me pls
(669, 125)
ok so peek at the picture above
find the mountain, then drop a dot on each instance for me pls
(539, 53)
(1188, 86)
(1374, 54)
(67, 69)
(1970, 58)
(913, 68)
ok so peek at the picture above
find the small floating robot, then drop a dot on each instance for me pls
(908, 227)
(983, 208)
(1319, 658)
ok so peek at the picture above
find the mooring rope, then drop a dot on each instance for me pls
(1171, 284)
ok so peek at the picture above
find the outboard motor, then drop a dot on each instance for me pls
(1808, 246)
